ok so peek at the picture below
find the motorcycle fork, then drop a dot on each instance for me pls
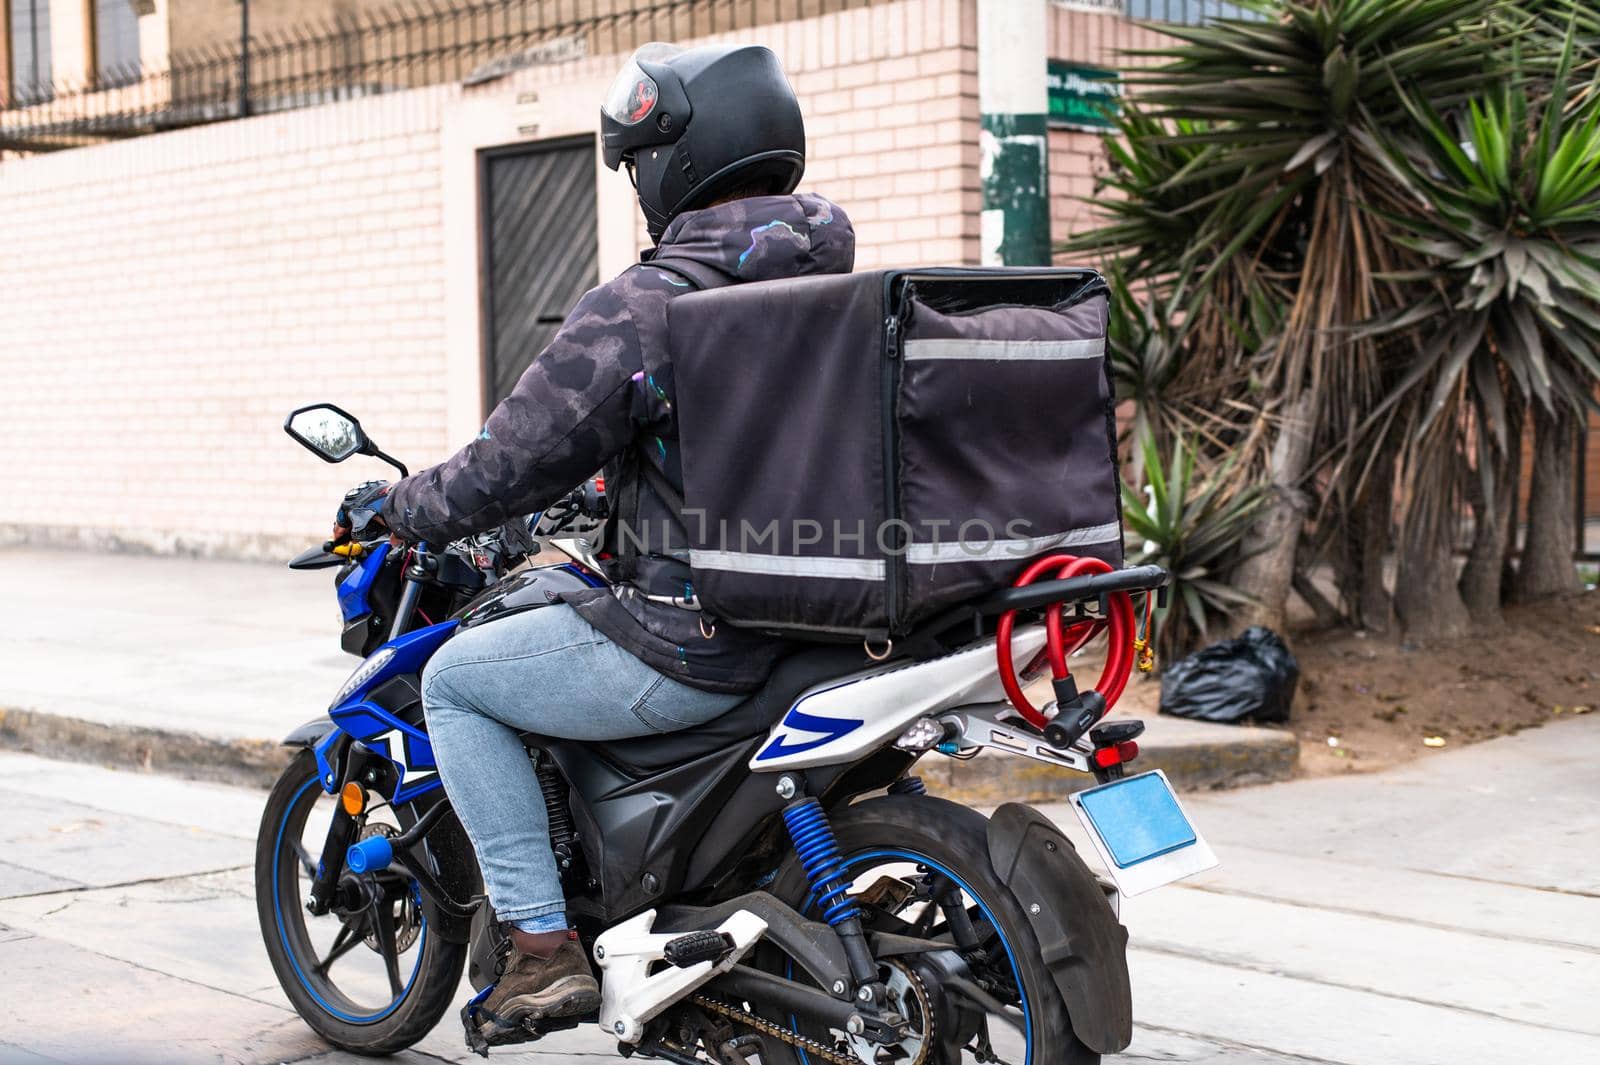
(358, 765)
(372, 771)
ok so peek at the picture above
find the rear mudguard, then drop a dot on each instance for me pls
(455, 864)
(1082, 943)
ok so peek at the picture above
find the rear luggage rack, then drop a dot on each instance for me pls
(929, 640)
(1073, 590)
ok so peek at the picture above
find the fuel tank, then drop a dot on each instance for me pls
(528, 589)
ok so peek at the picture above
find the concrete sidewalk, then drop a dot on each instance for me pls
(201, 666)
(169, 663)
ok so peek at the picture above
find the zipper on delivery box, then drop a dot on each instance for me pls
(891, 455)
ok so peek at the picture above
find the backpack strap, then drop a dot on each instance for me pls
(700, 275)
(662, 486)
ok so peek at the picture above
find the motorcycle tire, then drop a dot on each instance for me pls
(951, 838)
(280, 888)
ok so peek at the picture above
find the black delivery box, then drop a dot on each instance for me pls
(863, 450)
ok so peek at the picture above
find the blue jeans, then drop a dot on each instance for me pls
(544, 671)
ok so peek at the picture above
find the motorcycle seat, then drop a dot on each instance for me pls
(750, 718)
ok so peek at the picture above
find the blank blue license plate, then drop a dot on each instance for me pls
(1142, 832)
(1137, 818)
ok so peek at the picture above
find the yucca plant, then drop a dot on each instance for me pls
(1546, 24)
(1255, 156)
(1152, 230)
(1507, 224)
(1195, 526)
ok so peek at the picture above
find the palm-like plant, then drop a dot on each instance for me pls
(1154, 180)
(1550, 23)
(1261, 228)
(1194, 526)
(1508, 229)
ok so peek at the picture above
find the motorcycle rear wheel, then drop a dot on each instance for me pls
(946, 838)
(339, 1011)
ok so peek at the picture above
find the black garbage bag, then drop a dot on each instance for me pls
(1250, 676)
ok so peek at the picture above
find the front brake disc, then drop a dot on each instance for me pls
(408, 919)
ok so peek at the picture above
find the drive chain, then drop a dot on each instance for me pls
(776, 1031)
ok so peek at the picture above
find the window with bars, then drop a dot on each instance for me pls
(1190, 11)
(116, 43)
(29, 23)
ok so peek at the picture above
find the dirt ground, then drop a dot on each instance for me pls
(1368, 702)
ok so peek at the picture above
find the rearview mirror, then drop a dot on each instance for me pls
(327, 431)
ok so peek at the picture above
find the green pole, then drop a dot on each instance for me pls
(1013, 140)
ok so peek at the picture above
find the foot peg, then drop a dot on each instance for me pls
(695, 947)
(485, 1029)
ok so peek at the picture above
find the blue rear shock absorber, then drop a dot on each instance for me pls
(830, 886)
(819, 857)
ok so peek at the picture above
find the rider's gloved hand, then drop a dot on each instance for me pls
(360, 514)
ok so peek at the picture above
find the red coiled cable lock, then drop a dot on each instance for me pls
(1076, 712)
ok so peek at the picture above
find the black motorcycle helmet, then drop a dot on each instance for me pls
(693, 125)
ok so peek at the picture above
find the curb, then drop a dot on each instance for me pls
(1265, 756)
(1261, 757)
(185, 754)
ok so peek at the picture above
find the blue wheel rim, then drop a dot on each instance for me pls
(853, 861)
(293, 954)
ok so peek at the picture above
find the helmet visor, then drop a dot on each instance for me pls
(632, 97)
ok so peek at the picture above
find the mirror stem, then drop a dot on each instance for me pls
(390, 459)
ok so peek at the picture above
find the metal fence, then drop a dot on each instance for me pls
(425, 43)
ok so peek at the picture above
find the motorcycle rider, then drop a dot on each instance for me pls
(714, 142)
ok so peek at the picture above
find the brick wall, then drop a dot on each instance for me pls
(165, 300)
(168, 299)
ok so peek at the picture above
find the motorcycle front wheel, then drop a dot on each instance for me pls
(369, 977)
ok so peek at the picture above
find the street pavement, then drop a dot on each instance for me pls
(1447, 912)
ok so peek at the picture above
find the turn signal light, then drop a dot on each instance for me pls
(354, 799)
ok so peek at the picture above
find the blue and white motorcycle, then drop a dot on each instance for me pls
(775, 886)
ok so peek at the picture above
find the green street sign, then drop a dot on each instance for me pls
(1081, 96)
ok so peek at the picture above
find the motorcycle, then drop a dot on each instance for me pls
(776, 886)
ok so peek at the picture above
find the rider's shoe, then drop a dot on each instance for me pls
(531, 987)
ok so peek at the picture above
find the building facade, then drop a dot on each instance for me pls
(166, 299)
(99, 43)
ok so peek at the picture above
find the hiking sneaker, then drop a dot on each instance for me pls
(534, 988)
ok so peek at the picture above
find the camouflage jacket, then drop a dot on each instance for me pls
(601, 396)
